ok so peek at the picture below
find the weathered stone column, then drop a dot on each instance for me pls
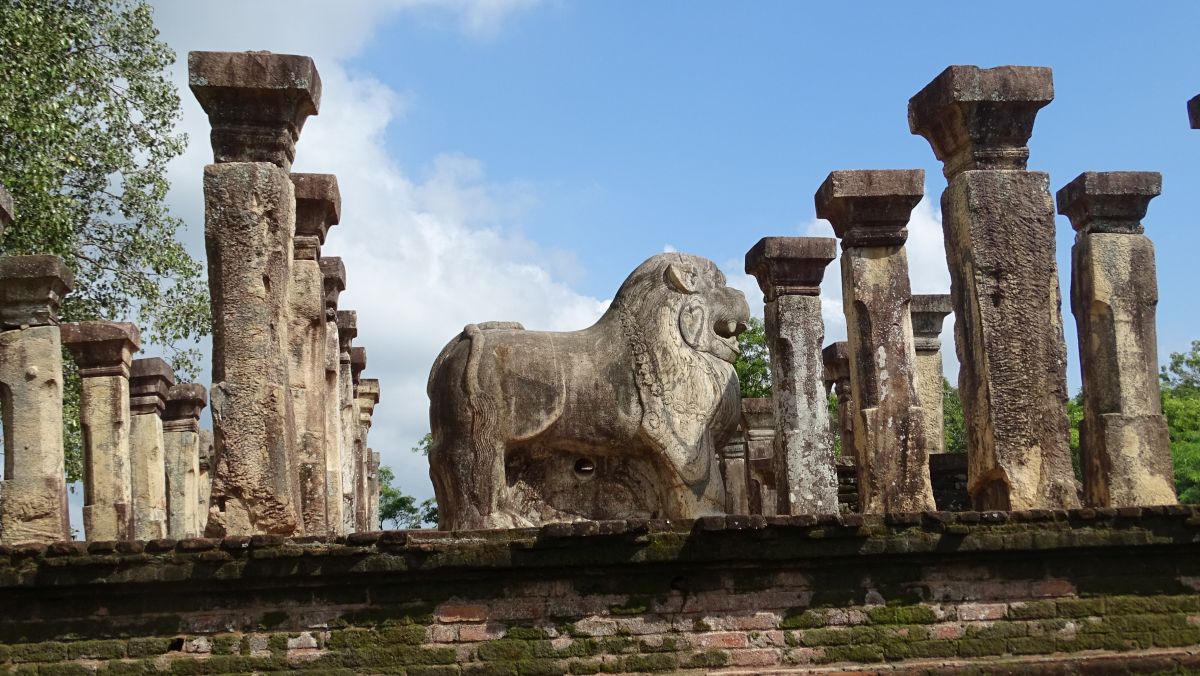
(758, 423)
(149, 381)
(257, 103)
(103, 351)
(373, 490)
(181, 446)
(789, 272)
(998, 222)
(869, 211)
(204, 480)
(334, 275)
(734, 475)
(363, 408)
(33, 493)
(318, 205)
(836, 360)
(928, 316)
(347, 324)
(1125, 448)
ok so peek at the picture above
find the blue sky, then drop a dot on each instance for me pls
(515, 159)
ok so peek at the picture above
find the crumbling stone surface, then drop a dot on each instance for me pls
(998, 222)
(869, 211)
(334, 276)
(734, 474)
(347, 328)
(929, 312)
(789, 272)
(249, 221)
(33, 492)
(373, 490)
(366, 398)
(103, 351)
(256, 102)
(758, 425)
(204, 482)
(181, 447)
(1124, 444)
(621, 419)
(149, 381)
(6, 209)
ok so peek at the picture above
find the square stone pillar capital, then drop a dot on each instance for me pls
(786, 266)
(101, 348)
(256, 102)
(333, 273)
(981, 118)
(1110, 201)
(149, 381)
(347, 326)
(6, 209)
(1194, 111)
(358, 363)
(870, 207)
(368, 388)
(184, 403)
(373, 463)
(928, 312)
(758, 413)
(318, 208)
(836, 359)
(31, 289)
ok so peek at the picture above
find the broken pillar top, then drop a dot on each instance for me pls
(790, 266)
(929, 312)
(1194, 111)
(870, 207)
(31, 289)
(101, 348)
(1109, 201)
(318, 208)
(256, 102)
(981, 118)
(368, 388)
(347, 326)
(836, 359)
(358, 362)
(206, 449)
(185, 401)
(333, 272)
(6, 209)
(758, 413)
(376, 458)
(149, 381)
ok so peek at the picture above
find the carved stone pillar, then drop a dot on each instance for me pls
(33, 493)
(869, 211)
(836, 360)
(318, 206)
(758, 423)
(257, 103)
(363, 408)
(334, 275)
(103, 351)
(181, 444)
(1124, 444)
(929, 314)
(734, 475)
(149, 381)
(204, 482)
(347, 324)
(789, 272)
(373, 490)
(998, 222)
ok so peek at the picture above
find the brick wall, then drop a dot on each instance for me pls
(1035, 591)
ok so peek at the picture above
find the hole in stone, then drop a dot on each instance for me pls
(267, 284)
(221, 504)
(176, 646)
(585, 468)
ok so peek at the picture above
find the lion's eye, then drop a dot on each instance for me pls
(584, 467)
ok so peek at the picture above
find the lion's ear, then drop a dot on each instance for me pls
(691, 322)
(682, 277)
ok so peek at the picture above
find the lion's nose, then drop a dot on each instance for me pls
(729, 328)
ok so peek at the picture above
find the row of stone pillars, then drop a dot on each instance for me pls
(998, 225)
(290, 409)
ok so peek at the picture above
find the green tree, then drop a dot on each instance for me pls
(87, 118)
(754, 362)
(398, 510)
(1181, 404)
(954, 424)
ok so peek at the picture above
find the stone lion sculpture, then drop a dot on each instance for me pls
(619, 420)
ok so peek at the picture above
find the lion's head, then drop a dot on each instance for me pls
(681, 322)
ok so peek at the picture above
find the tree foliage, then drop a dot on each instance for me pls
(87, 120)
(1181, 404)
(954, 423)
(398, 510)
(754, 362)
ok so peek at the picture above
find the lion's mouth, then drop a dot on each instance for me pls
(726, 344)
